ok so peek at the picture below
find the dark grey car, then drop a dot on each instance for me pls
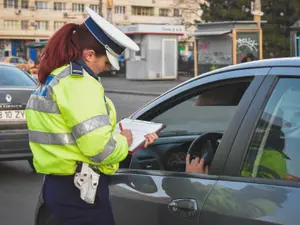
(248, 117)
(15, 88)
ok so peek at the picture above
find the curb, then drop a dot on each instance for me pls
(132, 92)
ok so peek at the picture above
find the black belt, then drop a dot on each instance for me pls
(94, 168)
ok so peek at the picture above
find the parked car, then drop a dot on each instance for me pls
(247, 117)
(19, 62)
(15, 88)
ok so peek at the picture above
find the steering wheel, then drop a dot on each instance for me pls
(207, 145)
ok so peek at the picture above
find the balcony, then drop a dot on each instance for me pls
(147, 3)
(123, 19)
(27, 14)
(25, 34)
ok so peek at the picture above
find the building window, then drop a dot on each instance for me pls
(77, 7)
(59, 6)
(95, 8)
(177, 13)
(120, 9)
(24, 4)
(11, 24)
(41, 5)
(42, 25)
(10, 3)
(163, 12)
(142, 11)
(24, 25)
(58, 25)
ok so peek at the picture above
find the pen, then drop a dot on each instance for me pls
(121, 127)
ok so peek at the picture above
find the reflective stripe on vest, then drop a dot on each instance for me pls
(42, 105)
(89, 125)
(68, 139)
(109, 148)
(269, 171)
(51, 138)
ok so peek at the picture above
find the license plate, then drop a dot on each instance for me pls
(12, 115)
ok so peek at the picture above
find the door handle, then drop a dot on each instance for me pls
(185, 208)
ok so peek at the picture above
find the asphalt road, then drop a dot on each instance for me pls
(20, 187)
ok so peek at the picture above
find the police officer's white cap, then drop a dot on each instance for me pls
(114, 40)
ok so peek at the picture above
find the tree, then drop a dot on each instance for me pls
(191, 11)
(278, 14)
(228, 10)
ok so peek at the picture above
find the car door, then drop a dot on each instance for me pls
(147, 190)
(261, 179)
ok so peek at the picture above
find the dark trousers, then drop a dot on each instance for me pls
(62, 199)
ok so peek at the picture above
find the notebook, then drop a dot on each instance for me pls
(139, 129)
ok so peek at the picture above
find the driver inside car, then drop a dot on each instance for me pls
(271, 164)
(195, 165)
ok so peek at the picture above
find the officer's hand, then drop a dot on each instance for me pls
(195, 166)
(127, 133)
(150, 138)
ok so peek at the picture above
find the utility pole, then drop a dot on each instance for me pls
(100, 7)
(109, 7)
(256, 11)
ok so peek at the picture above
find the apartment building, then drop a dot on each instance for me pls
(26, 21)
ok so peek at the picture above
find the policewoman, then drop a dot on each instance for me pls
(71, 122)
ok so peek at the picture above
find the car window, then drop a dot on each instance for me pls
(21, 61)
(13, 60)
(208, 110)
(274, 149)
(12, 76)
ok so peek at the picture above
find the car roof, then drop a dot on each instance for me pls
(278, 62)
(6, 64)
(274, 62)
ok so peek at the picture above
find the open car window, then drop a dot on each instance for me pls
(206, 110)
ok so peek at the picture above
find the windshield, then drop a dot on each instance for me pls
(22, 61)
(209, 111)
(12, 76)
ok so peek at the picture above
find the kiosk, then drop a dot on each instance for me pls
(158, 55)
(220, 44)
(295, 39)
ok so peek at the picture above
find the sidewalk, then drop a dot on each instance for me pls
(119, 84)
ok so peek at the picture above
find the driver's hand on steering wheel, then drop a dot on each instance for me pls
(195, 166)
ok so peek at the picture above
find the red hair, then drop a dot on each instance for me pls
(64, 46)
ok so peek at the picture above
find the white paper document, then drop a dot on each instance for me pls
(139, 129)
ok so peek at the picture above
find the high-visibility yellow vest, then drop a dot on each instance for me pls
(269, 163)
(70, 120)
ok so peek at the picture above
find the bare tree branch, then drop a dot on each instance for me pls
(190, 7)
